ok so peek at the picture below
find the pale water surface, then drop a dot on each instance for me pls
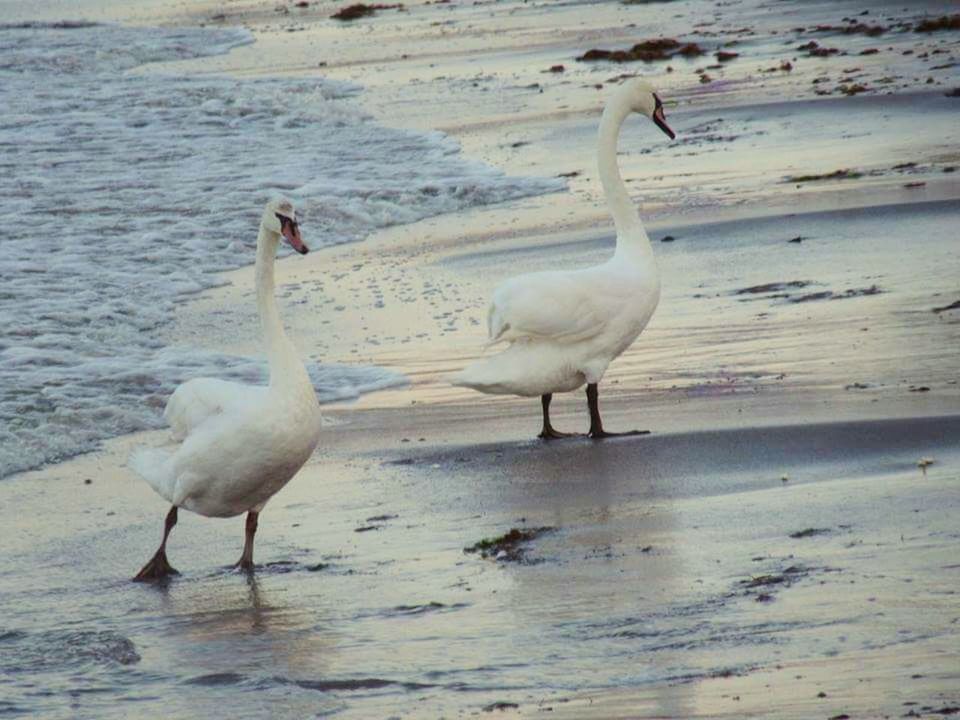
(120, 194)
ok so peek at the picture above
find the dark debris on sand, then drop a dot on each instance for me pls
(814, 49)
(382, 518)
(510, 547)
(647, 51)
(843, 174)
(809, 532)
(432, 606)
(952, 306)
(947, 22)
(762, 588)
(851, 89)
(851, 29)
(845, 295)
(772, 287)
(500, 706)
(359, 10)
(783, 290)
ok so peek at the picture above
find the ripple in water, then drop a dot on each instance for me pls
(121, 193)
(54, 650)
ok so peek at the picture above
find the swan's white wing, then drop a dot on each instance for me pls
(559, 306)
(198, 400)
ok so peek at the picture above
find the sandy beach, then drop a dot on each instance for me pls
(783, 544)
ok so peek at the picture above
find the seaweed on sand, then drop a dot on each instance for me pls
(772, 287)
(814, 50)
(947, 22)
(508, 547)
(852, 29)
(845, 295)
(835, 175)
(850, 89)
(809, 532)
(952, 306)
(359, 10)
(647, 51)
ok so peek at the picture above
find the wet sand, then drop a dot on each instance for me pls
(773, 540)
(732, 573)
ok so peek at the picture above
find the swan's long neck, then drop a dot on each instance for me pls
(285, 366)
(631, 237)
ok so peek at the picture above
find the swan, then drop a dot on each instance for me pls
(239, 444)
(563, 328)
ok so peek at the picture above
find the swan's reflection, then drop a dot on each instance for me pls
(258, 618)
(231, 622)
(598, 600)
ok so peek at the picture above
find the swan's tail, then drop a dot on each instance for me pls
(493, 375)
(154, 465)
(524, 368)
(473, 376)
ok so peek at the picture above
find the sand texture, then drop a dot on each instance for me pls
(784, 543)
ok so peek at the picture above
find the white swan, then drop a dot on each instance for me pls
(565, 327)
(239, 444)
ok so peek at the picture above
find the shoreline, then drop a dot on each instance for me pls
(430, 247)
(772, 543)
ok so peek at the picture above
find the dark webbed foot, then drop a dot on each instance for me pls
(596, 424)
(551, 434)
(548, 433)
(157, 568)
(602, 434)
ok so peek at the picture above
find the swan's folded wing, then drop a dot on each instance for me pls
(198, 400)
(545, 306)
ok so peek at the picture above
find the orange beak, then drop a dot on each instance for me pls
(661, 121)
(291, 233)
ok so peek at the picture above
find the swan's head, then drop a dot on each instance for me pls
(280, 218)
(644, 99)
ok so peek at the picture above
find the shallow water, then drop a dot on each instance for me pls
(121, 194)
(670, 558)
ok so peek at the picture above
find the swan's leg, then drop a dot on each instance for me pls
(596, 425)
(158, 567)
(246, 560)
(548, 433)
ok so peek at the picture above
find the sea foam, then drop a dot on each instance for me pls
(121, 193)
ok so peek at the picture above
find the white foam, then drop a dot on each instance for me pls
(122, 193)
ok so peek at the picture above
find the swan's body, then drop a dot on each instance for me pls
(239, 444)
(564, 328)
